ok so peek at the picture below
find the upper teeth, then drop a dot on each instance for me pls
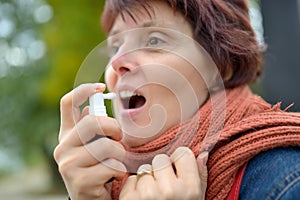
(127, 94)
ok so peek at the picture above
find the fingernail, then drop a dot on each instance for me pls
(145, 168)
(203, 157)
(99, 86)
(179, 152)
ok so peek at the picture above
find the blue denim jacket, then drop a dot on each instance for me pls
(274, 174)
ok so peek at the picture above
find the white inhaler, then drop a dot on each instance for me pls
(96, 102)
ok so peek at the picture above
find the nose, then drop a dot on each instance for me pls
(124, 63)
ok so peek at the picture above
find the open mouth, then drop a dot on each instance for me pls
(132, 100)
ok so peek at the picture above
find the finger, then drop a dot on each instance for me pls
(69, 104)
(91, 180)
(128, 191)
(104, 171)
(185, 163)
(90, 154)
(99, 174)
(90, 127)
(85, 112)
(86, 156)
(104, 148)
(202, 168)
(91, 193)
(146, 185)
(144, 174)
(163, 169)
(78, 157)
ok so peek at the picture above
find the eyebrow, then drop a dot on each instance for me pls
(144, 25)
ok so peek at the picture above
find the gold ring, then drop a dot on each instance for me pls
(142, 171)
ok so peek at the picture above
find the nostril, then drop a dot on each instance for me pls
(123, 70)
(124, 63)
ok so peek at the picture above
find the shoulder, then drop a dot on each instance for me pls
(274, 174)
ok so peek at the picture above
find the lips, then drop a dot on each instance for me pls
(131, 100)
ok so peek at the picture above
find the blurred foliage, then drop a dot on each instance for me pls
(70, 36)
(22, 119)
(30, 94)
(22, 116)
(72, 33)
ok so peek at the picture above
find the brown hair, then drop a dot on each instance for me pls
(221, 27)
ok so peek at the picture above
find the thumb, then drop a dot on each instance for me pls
(202, 168)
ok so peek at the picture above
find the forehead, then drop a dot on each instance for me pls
(158, 13)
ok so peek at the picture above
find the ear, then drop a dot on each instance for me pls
(218, 80)
(229, 74)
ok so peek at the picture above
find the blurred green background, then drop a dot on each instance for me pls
(42, 45)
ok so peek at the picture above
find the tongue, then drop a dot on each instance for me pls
(136, 101)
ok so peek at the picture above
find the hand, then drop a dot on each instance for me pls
(174, 177)
(85, 163)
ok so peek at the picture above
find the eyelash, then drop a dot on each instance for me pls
(158, 40)
(115, 48)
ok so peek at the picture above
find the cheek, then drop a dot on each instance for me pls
(111, 78)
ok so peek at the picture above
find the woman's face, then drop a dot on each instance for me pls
(160, 74)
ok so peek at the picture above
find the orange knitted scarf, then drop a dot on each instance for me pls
(249, 127)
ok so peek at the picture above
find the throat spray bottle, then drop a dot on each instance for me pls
(97, 106)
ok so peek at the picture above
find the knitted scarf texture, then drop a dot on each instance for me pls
(233, 130)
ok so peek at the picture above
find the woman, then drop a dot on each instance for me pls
(169, 63)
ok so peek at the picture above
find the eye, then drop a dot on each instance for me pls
(113, 50)
(154, 41)
(113, 45)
